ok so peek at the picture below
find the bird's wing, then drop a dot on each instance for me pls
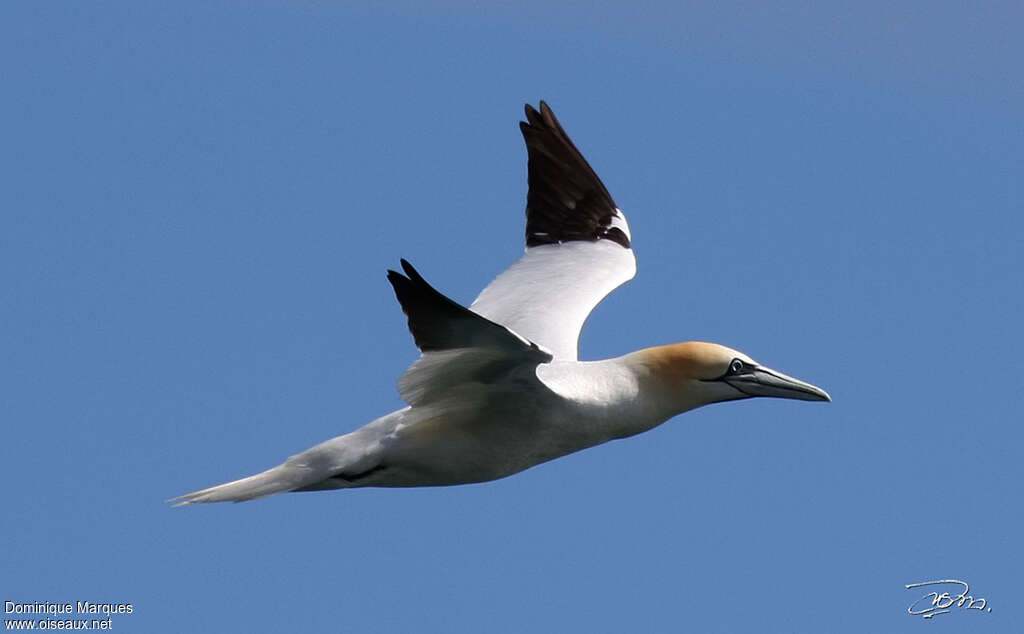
(577, 244)
(458, 346)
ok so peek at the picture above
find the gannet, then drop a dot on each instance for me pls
(498, 387)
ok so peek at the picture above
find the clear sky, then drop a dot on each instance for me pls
(199, 204)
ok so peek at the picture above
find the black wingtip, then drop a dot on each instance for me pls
(535, 117)
(400, 284)
(410, 273)
(439, 323)
(544, 117)
(545, 109)
(413, 274)
(566, 201)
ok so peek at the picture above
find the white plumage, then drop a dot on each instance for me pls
(547, 294)
(498, 388)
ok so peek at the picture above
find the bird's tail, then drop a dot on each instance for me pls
(284, 477)
(315, 469)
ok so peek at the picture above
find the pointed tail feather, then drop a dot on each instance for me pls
(284, 477)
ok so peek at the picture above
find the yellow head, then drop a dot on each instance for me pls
(699, 373)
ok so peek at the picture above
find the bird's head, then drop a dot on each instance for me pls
(698, 373)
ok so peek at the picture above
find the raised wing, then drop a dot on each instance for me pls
(459, 346)
(577, 244)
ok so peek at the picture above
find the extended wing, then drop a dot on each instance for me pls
(459, 346)
(577, 244)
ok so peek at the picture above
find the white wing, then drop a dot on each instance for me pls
(577, 245)
(547, 294)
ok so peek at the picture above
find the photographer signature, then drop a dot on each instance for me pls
(941, 603)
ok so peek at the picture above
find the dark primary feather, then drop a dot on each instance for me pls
(438, 323)
(566, 200)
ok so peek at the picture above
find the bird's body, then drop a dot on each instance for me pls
(499, 388)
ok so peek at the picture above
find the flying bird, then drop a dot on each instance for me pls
(498, 387)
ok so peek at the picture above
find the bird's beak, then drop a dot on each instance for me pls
(762, 381)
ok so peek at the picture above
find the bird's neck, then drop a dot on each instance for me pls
(623, 396)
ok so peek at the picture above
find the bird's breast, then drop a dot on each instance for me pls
(454, 445)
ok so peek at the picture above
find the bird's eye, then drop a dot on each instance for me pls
(736, 366)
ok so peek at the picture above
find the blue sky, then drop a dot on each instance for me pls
(200, 203)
